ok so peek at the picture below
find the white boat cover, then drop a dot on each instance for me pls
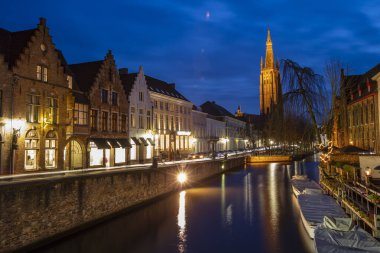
(301, 184)
(315, 207)
(328, 240)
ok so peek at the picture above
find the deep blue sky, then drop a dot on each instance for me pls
(210, 49)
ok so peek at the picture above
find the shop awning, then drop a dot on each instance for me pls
(100, 143)
(124, 143)
(136, 141)
(144, 141)
(151, 141)
(113, 143)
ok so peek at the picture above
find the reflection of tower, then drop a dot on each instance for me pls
(270, 86)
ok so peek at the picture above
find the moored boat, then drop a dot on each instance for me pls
(313, 207)
(304, 185)
(339, 235)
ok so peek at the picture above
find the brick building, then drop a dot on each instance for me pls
(100, 115)
(357, 111)
(34, 93)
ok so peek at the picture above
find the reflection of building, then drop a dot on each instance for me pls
(171, 119)
(105, 117)
(140, 116)
(356, 111)
(34, 92)
(235, 137)
(270, 86)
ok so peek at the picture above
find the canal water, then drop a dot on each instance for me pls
(251, 209)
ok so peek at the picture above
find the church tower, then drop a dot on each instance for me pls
(270, 86)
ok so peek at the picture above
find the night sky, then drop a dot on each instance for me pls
(210, 49)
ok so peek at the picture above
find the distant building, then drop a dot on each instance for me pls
(356, 117)
(270, 85)
(235, 134)
(199, 127)
(254, 127)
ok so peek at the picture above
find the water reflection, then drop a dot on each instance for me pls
(247, 210)
(182, 222)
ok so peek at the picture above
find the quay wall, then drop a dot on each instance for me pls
(34, 212)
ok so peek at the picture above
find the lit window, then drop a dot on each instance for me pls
(80, 114)
(133, 120)
(96, 155)
(119, 155)
(70, 82)
(148, 120)
(31, 150)
(51, 113)
(42, 73)
(33, 108)
(50, 149)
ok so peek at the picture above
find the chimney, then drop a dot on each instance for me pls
(42, 21)
(123, 71)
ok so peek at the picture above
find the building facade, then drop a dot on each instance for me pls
(34, 95)
(270, 85)
(235, 134)
(200, 140)
(140, 116)
(101, 126)
(171, 120)
(356, 114)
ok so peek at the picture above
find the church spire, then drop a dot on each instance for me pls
(269, 58)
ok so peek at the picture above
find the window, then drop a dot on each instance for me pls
(51, 113)
(119, 155)
(115, 98)
(166, 106)
(104, 121)
(162, 122)
(133, 120)
(161, 105)
(141, 118)
(167, 121)
(124, 123)
(96, 155)
(148, 120)
(94, 119)
(31, 150)
(70, 82)
(33, 108)
(155, 104)
(50, 149)
(42, 73)
(155, 121)
(104, 96)
(171, 122)
(114, 122)
(80, 114)
(141, 96)
(176, 123)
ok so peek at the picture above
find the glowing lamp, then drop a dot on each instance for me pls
(368, 171)
(182, 177)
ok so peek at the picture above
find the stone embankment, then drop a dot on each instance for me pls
(36, 211)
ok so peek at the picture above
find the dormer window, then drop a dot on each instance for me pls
(42, 73)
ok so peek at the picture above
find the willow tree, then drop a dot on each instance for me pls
(304, 91)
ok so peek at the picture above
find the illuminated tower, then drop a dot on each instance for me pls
(270, 86)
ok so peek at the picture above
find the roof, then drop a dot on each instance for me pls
(153, 84)
(352, 84)
(128, 81)
(85, 73)
(80, 98)
(257, 120)
(216, 110)
(12, 44)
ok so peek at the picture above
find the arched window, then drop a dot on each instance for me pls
(31, 150)
(50, 150)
